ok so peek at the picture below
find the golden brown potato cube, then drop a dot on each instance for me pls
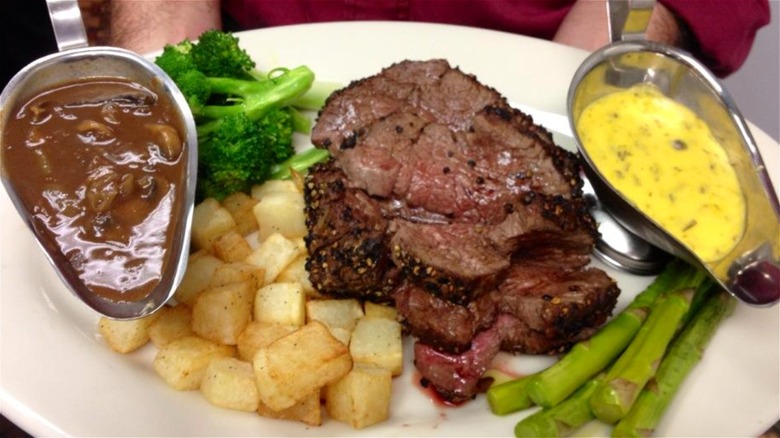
(340, 316)
(342, 334)
(230, 383)
(298, 364)
(281, 303)
(125, 336)
(335, 312)
(258, 335)
(221, 313)
(296, 272)
(307, 411)
(200, 270)
(362, 397)
(281, 212)
(240, 205)
(232, 247)
(378, 341)
(237, 272)
(380, 311)
(210, 221)
(274, 254)
(274, 186)
(173, 322)
(183, 362)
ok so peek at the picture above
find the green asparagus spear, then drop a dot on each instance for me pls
(683, 355)
(561, 419)
(510, 396)
(588, 358)
(638, 363)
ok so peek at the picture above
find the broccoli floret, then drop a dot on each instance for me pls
(176, 59)
(196, 89)
(213, 93)
(276, 130)
(254, 98)
(245, 121)
(241, 153)
(218, 54)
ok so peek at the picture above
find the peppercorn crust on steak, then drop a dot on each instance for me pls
(449, 203)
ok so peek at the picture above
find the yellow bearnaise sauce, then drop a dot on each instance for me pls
(665, 160)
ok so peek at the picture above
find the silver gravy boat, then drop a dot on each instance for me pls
(77, 61)
(751, 270)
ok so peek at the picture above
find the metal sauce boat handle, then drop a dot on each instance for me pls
(628, 19)
(67, 23)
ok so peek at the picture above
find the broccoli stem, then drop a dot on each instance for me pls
(315, 98)
(244, 88)
(298, 163)
(636, 366)
(510, 396)
(588, 358)
(561, 419)
(257, 97)
(683, 355)
(301, 123)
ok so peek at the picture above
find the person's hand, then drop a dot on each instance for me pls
(144, 26)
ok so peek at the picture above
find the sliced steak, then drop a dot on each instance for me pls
(442, 324)
(457, 377)
(549, 308)
(538, 309)
(347, 239)
(426, 256)
(444, 199)
(433, 90)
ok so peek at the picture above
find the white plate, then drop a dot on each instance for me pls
(58, 378)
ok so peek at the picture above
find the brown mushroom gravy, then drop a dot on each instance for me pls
(99, 164)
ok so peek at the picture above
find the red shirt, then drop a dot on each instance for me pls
(723, 29)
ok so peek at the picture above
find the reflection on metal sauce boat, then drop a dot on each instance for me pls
(98, 164)
(666, 161)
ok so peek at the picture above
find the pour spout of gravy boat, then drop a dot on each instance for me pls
(750, 269)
